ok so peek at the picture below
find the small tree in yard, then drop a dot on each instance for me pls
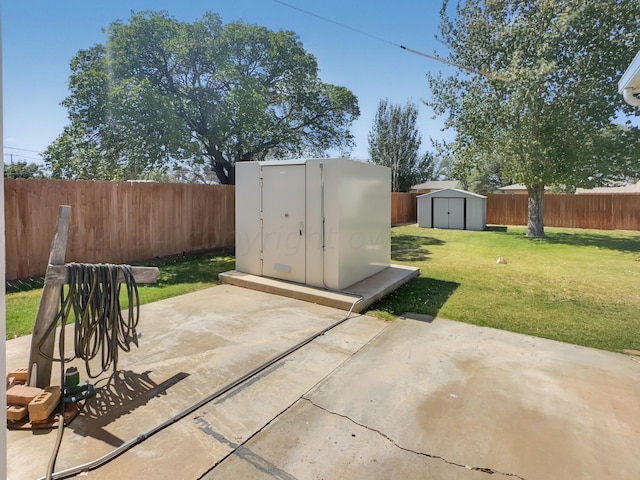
(547, 104)
(394, 142)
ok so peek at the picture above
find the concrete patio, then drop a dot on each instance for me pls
(418, 398)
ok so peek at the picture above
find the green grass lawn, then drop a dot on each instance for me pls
(577, 286)
(178, 275)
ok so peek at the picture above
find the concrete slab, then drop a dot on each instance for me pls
(371, 289)
(417, 398)
(189, 347)
(477, 399)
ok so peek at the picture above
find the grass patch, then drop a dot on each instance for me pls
(177, 276)
(576, 286)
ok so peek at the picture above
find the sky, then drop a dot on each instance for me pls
(39, 38)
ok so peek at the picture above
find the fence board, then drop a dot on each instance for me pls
(596, 211)
(507, 209)
(403, 208)
(127, 222)
(113, 222)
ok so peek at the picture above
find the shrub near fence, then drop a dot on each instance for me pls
(113, 222)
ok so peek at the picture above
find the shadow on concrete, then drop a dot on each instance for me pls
(412, 248)
(124, 392)
(421, 295)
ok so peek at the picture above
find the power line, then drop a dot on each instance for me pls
(18, 157)
(417, 52)
(22, 149)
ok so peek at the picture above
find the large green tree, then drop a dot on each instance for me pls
(394, 141)
(544, 100)
(161, 91)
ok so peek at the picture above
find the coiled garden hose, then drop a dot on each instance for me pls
(100, 328)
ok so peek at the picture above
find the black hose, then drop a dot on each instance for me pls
(94, 296)
(100, 328)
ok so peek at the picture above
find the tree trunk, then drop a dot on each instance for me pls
(535, 226)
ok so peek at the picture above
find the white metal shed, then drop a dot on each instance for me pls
(452, 208)
(321, 222)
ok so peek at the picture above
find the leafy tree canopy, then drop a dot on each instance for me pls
(23, 169)
(394, 141)
(550, 120)
(160, 91)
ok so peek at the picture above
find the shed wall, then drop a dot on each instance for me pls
(248, 225)
(357, 212)
(476, 210)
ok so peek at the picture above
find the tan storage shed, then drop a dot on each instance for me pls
(323, 222)
(452, 208)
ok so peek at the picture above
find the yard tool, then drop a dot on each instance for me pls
(74, 391)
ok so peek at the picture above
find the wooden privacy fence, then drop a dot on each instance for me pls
(603, 212)
(113, 222)
(403, 208)
(128, 221)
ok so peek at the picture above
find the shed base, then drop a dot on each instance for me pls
(372, 288)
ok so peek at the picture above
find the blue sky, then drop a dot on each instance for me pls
(40, 37)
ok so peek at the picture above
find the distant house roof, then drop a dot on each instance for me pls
(515, 186)
(632, 188)
(437, 185)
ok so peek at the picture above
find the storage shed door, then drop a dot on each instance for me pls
(448, 213)
(283, 222)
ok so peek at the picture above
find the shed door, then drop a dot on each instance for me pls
(283, 222)
(448, 213)
(456, 213)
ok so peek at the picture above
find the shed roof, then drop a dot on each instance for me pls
(447, 191)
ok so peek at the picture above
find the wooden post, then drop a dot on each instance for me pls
(49, 304)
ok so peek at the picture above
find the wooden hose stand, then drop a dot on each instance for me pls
(57, 275)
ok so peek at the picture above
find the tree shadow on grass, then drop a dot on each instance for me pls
(627, 244)
(412, 248)
(193, 268)
(421, 295)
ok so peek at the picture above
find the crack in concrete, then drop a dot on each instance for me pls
(236, 447)
(489, 471)
(257, 461)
